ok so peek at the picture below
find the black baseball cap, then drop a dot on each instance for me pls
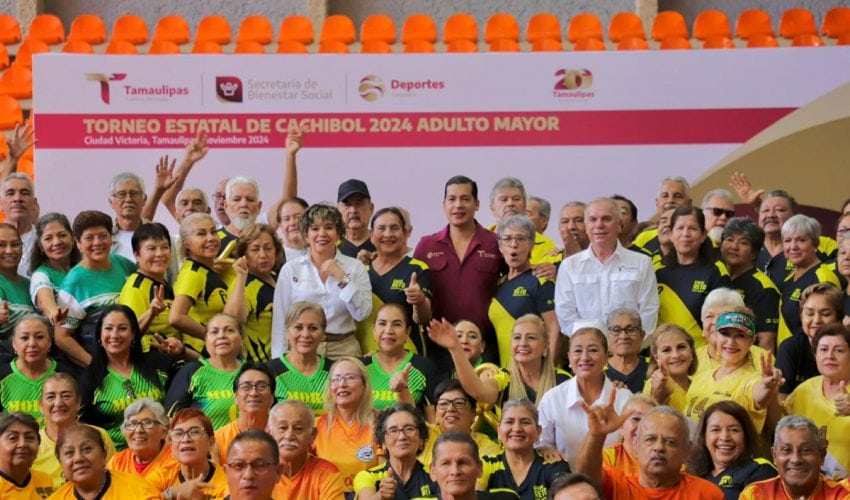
(350, 187)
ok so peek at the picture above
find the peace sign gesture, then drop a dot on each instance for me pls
(771, 376)
(158, 303)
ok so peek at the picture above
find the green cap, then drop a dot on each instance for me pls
(739, 321)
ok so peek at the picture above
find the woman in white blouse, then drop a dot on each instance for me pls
(325, 276)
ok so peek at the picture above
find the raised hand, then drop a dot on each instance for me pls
(165, 174)
(413, 292)
(400, 380)
(294, 135)
(842, 401)
(240, 265)
(331, 268)
(197, 149)
(771, 376)
(168, 345)
(192, 489)
(366, 257)
(443, 334)
(388, 486)
(659, 381)
(21, 140)
(744, 188)
(58, 316)
(603, 420)
(158, 303)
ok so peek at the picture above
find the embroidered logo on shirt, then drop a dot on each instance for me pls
(365, 453)
(796, 295)
(699, 287)
(520, 291)
(431, 255)
(725, 482)
(398, 284)
(486, 255)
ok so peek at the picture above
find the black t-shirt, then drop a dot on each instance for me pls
(796, 361)
(733, 480)
(634, 380)
(350, 249)
(536, 484)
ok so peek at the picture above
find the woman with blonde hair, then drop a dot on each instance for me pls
(673, 364)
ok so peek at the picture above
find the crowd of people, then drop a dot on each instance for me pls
(312, 352)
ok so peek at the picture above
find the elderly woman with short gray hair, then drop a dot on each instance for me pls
(520, 292)
(146, 428)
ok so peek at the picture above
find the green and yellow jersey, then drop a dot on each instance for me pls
(201, 385)
(292, 384)
(21, 394)
(422, 380)
(17, 294)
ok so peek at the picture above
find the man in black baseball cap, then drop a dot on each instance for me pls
(355, 204)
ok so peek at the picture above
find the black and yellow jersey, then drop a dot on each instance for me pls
(682, 290)
(762, 296)
(777, 267)
(292, 384)
(647, 242)
(226, 237)
(388, 288)
(259, 296)
(350, 249)
(419, 485)
(513, 298)
(138, 293)
(791, 289)
(201, 385)
(503, 382)
(734, 479)
(422, 380)
(207, 290)
(497, 476)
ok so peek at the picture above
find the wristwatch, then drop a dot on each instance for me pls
(345, 281)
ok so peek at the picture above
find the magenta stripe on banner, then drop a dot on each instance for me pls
(531, 128)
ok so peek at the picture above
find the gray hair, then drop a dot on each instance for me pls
(545, 206)
(240, 179)
(581, 204)
(610, 201)
(625, 311)
(297, 404)
(522, 403)
(520, 222)
(640, 398)
(199, 191)
(747, 228)
(802, 225)
(125, 177)
(35, 317)
(799, 423)
(140, 405)
(681, 180)
(186, 228)
(18, 176)
(505, 183)
(721, 297)
(669, 410)
(717, 193)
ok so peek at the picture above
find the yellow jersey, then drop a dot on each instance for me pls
(37, 487)
(119, 486)
(170, 476)
(317, 479)
(705, 390)
(47, 462)
(809, 401)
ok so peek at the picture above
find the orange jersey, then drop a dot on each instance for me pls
(351, 448)
(317, 479)
(771, 489)
(123, 462)
(169, 476)
(618, 458)
(616, 484)
(121, 487)
(223, 437)
(38, 487)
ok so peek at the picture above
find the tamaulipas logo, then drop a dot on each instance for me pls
(132, 92)
(104, 80)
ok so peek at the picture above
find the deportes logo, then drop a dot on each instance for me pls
(104, 80)
(228, 88)
(573, 79)
(371, 88)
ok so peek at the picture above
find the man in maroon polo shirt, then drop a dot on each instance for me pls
(465, 265)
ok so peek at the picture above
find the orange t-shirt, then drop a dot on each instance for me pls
(223, 437)
(616, 484)
(121, 487)
(771, 489)
(123, 462)
(169, 476)
(317, 479)
(618, 458)
(351, 448)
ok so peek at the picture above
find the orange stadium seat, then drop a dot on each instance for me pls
(333, 47)
(378, 27)
(296, 29)
(419, 27)
(843, 39)
(11, 113)
(718, 42)
(77, 47)
(255, 28)
(836, 22)
(173, 29)
(4, 57)
(460, 26)
(214, 29)
(710, 23)
(249, 47)
(625, 25)
(504, 45)
(547, 45)
(4, 147)
(121, 47)
(10, 30)
(762, 42)
(375, 47)
(807, 40)
(797, 21)
(584, 26)
(675, 43)
(16, 82)
(130, 28)
(163, 47)
(338, 28)
(26, 50)
(633, 43)
(26, 166)
(543, 26)
(588, 44)
(501, 26)
(47, 28)
(88, 28)
(419, 47)
(206, 47)
(667, 24)
(753, 22)
(461, 45)
(291, 47)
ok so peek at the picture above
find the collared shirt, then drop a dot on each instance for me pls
(29, 239)
(122, 241)
(300, 280)
(564, 421)
(589, 289)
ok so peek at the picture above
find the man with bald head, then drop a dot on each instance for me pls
(292, 424)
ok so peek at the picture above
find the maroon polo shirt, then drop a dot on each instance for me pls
(462, 289)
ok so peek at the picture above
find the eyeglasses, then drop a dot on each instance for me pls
(258, 466)
(260, 387)
(128, 388)
(146, 424)
(123, 195)
(717, 212)
(519, 239)
(407, 430)
(347, 379)
(629, 331)
(457, 404)
(193, 433)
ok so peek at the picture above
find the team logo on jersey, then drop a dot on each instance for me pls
(398, 284)
(365, 453)
(699, 286)
(725, 482)
(796, 295)
(520, 291)
(371, 88)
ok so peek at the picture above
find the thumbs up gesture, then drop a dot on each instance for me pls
(842, 401)
(388, 486)
(660, 382)
(4, 312)
(413, 292)
(399, 381)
